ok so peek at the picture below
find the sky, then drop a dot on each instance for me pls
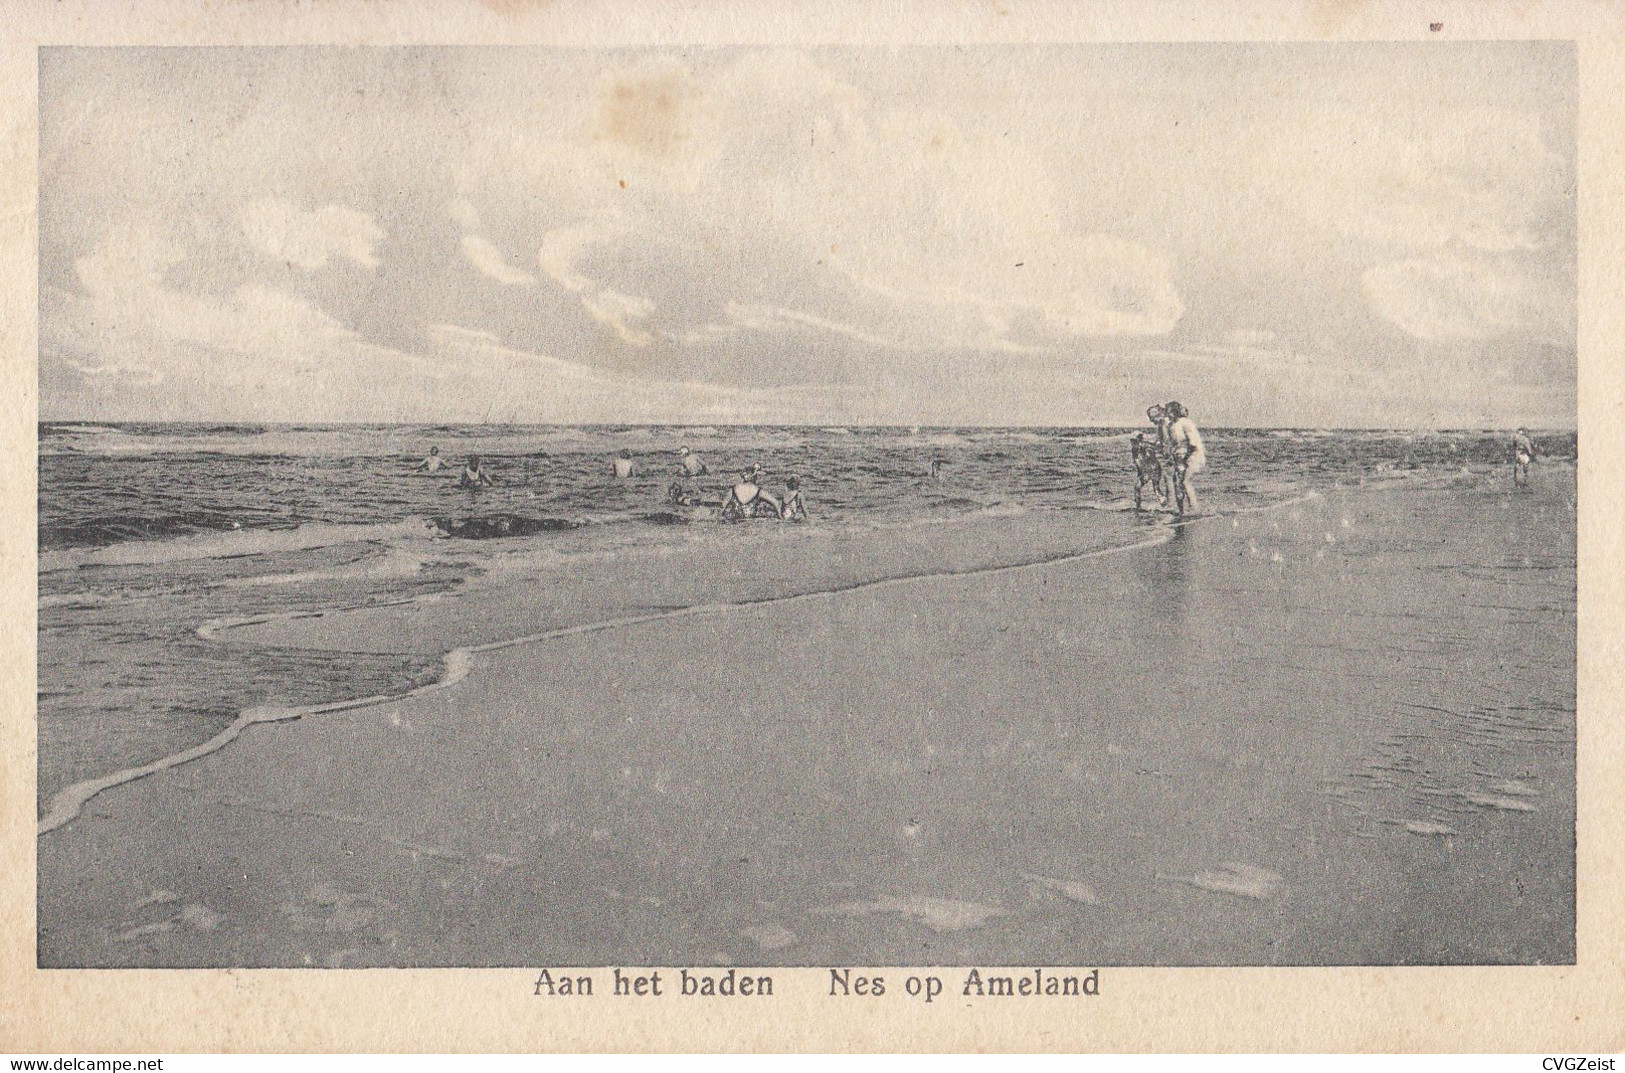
(1359, 235)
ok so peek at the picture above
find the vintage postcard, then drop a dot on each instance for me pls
(747, 531)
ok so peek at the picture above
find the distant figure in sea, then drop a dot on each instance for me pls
(1147, 469)
(794, 508)
(623, 465)
(474, 475)
(746, 497)
(433, 463)
(1185, 445)
(690, 463)
(1523, 453)
(936, 468)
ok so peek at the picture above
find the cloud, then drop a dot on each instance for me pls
(1459, 219)
(561, 248)
(894, 221)
(558, 256)
(1448, 298)
(1249, 337)
(483, 255)
(618, 311)
(938, 237)
(129, 322)
(765, 318)
(464, 212)
(959, 232)
(481, 252)
(310, 239)
(553, 389)
(1475, 179)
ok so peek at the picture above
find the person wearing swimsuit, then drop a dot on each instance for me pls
(1189, 456)
(691, 464)
(1165, 448)
(1523, 453)
(474, 476)
(794, 509)
(747, 493)
(1147, 469)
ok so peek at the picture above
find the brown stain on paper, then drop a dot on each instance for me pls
(646, 112)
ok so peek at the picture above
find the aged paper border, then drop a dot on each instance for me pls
(1579, 1008)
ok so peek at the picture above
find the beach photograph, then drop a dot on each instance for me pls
(737, 506)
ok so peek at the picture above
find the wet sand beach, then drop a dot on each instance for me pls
(1337, 731)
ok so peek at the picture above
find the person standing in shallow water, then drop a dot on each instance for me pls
(623, 465)
(433, 463)
(474, 475)
(1523, 453)
(1147, 470)
(690, 463)
(1185, 444)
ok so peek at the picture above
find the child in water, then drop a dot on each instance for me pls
(794, 508)
(474, 476)
(1147, 470)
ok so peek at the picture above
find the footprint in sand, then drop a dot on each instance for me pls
(1066, 888)
(770, 936)
(1242, 880)
(200, 917)
(157, 897)
(145, 931)
(1505, 804)
(938, 914)
(328, 908)
(195, 917)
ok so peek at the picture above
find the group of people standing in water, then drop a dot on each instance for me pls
(745, 497)
(473, 475)
(1166, 461)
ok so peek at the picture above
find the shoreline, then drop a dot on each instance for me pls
(66, 803)
(491, 853)
(607, 582)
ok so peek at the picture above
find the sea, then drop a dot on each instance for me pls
(148, 532)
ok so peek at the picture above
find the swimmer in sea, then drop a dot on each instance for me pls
(936, 468)
(1147, 469)
(1188, 454)
(623, 465)
(794, 508)
(745, 495)
(1523, 453)
(473, 475)
(433, 463)
(690, 463)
